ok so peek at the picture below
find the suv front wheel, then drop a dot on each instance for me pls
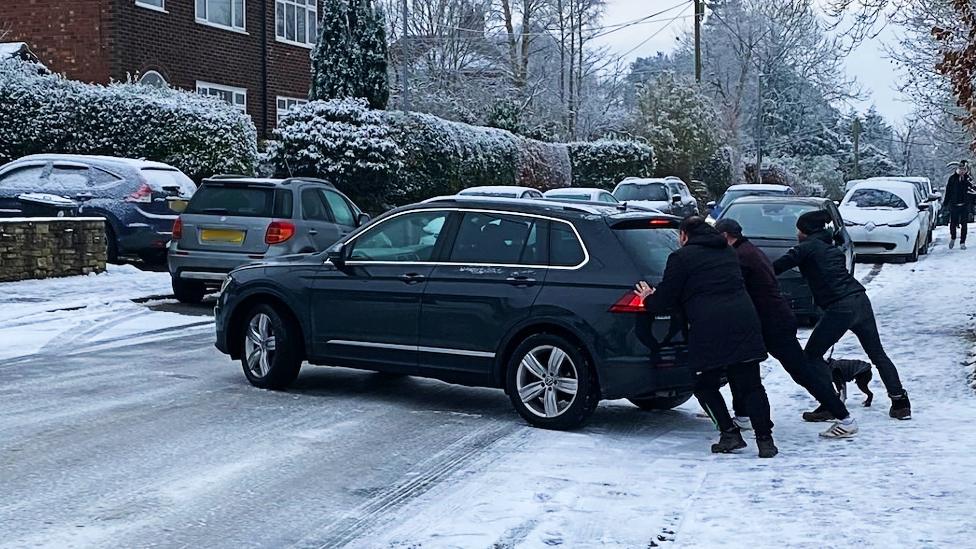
(551, 383)
(270, 343)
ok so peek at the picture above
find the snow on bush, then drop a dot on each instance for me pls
(605, 162)
(50, 114)
(388, 158)
(721, 170)
(342, 141)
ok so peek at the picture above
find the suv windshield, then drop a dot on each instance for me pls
(648, 246)
(773, 221)
(656, 192)
(876, 198)
(236, 200)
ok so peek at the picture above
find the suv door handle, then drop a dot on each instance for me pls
(313, 232)
(412, 278)
(520, 281)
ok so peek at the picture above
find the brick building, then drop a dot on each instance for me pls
(253, 54)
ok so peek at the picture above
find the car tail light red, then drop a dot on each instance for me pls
(143, 194)
(178, 228)
(278, 232)
(662, 223)
(629, 303)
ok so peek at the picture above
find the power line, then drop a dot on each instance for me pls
(651, 37)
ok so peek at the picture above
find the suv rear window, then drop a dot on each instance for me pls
(655, 192)
(240, 200)
(161, 180)
(647, 245)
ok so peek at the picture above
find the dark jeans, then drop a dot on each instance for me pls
(854, 313)
(745, 381)
(815, 378)
(958, 217)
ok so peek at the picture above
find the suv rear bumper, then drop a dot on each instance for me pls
(204, 265)
(640, 376)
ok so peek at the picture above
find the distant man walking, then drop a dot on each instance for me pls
(779, 331)
(959, 197)
(703, 280)
(845, 305)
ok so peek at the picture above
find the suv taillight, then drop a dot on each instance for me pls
(278, 232)
(629, 303)
(178, 228)
(142, 195)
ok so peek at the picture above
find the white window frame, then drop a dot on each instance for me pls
(201, 86)
(150, 6)
(296, 102)
(147, 73)
(205, 21)
(310, 10)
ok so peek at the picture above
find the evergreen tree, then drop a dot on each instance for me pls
(350, 57)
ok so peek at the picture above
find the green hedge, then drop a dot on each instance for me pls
(605, 162)
(42, 113)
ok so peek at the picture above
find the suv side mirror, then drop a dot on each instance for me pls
(362, 219)
(337, 255)
(676, 199)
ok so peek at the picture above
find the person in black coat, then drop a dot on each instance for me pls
(779, 331)
(959, 199)
(845, 305)
(703, 280)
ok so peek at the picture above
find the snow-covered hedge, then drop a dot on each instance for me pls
(48, 113)
(389, 158)
(605, 162)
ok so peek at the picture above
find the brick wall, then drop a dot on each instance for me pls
(50, 247)
(69, 36)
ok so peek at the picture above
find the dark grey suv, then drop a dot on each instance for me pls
(535, 297)
(232, 221)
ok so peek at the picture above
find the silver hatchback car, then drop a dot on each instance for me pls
(232, 221)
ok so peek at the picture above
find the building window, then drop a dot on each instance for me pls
(295, 21)
(234, 96)
(286, 104)
(154, 79)
(159, 5)
(222, 13)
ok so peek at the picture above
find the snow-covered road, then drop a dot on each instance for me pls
(156, 440)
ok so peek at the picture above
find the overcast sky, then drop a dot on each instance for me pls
(877, 75)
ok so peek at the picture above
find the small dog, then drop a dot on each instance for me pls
(858, 371)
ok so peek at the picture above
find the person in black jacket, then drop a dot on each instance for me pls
(959, 198)
(779, 331)
(845, 305)
(703, 280)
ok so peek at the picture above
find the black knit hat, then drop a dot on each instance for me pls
(812, 222)
(729, 226)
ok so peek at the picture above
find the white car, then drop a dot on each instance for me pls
(502, 191)
(886, 218)
(927, 194)
(581, 193)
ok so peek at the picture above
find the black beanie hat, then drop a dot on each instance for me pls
(730, 226)
(812, 222)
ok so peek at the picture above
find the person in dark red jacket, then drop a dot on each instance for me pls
(779, 331)
(702, 279)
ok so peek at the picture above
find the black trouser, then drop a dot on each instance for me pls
(812, 376)
(854, 313)
(958, 217)
(745, 380)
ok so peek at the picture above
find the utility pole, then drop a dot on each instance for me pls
(699, 15)
(405, 61)
(759, 128)
(856, 129)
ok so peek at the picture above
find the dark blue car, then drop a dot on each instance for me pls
(534, 297)
(132, 196)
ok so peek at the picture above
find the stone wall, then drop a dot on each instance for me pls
(50, 247)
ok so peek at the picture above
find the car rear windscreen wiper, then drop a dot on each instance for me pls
(215, 211)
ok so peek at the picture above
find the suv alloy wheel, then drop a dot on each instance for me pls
(551, 383)
(270, 342)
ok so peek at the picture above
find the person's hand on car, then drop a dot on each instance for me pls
(643, 289)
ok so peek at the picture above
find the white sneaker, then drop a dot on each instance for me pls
(952, 243)
(742, 422)
(845, 428)
(962, 246)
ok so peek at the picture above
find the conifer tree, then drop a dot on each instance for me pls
(350, 57)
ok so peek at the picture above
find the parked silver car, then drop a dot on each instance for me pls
(232, 221)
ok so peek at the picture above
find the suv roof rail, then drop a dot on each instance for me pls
(229, 176)
(290, 180)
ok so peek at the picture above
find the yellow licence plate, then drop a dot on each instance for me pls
(222, 235)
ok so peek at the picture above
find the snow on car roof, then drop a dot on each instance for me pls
(758, 187)
(130, 162)
(645, 180)
(501, 188)
(575, 190)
